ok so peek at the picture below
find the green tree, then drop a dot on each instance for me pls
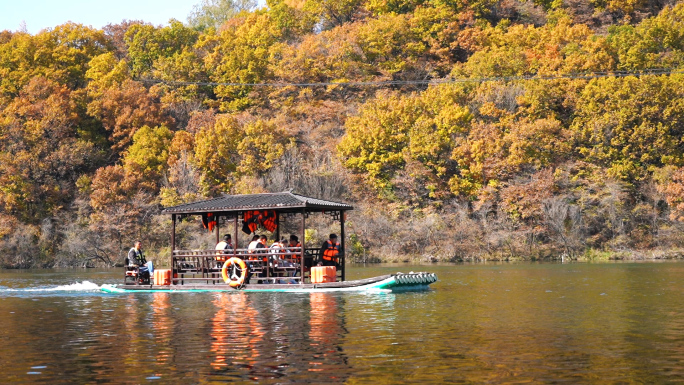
(242, 56)
(60, 54)
(146, 44)
(105, 72)
(213, 13)
(290, 17)
(332, 13)
(654, 43)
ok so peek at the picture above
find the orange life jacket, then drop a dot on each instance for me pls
(263, 250)
(209, 221)
(249, 224)
(295, 254)
(252, 219)
(268, 220)
(332, 251)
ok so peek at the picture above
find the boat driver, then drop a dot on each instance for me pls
(136, 258)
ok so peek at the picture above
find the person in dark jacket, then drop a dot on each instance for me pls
(136, 258)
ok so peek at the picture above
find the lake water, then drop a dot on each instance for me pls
(493, 323)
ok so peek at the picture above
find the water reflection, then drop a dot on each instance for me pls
(271, 337)
(163, 326)
(237, 335)
(497, 324)
(326, 332)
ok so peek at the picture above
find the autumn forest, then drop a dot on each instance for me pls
(461, 130)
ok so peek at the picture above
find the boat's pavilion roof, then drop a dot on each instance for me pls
(282, 202)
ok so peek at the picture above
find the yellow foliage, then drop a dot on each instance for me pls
(392, 131)
(182, 142)
(242, 56)
(228, 150)
(147, 157)
(631, 125)
(105, 72)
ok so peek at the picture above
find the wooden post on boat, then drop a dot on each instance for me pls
(235, 234)
(173, 245)
(344, 250)
(277, 220)
(217, 228)
(303, 244)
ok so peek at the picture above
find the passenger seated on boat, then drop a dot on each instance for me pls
(136, 258)
(253, 246)
(262, 248)
(278, 253)
(277, 249)
(263, 240)
(330, 252)
(293, 248)
(295, 253)
(225, 244)
(253, 260)
(281, 267)
(223, 248)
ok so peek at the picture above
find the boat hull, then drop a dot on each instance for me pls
(385, 283)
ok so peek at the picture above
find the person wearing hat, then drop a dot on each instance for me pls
(330, 252)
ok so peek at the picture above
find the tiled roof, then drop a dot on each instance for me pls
(275, 201)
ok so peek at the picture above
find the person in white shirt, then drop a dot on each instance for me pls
(225, 244)
(254, 245)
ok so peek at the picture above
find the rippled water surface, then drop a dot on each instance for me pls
(512, 323)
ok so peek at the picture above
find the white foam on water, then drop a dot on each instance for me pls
(74, 287)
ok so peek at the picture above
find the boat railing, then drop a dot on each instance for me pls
(290, 253)
(266, 264)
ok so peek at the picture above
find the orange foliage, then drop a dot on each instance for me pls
(124, 109)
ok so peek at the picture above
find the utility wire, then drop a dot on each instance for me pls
(591, 75)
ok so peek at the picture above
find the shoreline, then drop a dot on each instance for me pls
(590, 255)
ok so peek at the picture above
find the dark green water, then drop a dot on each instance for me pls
(512, 323)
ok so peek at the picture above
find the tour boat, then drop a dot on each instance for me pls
(288, 268)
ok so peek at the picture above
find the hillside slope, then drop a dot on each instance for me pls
(460, 130)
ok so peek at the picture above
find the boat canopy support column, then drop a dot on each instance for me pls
(218, 217)
(235, 234)
(173, 243)
(344, 250)
(303, 243)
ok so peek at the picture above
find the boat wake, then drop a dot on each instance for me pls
(77, 287)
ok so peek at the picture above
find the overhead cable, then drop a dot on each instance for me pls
(449, 80)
